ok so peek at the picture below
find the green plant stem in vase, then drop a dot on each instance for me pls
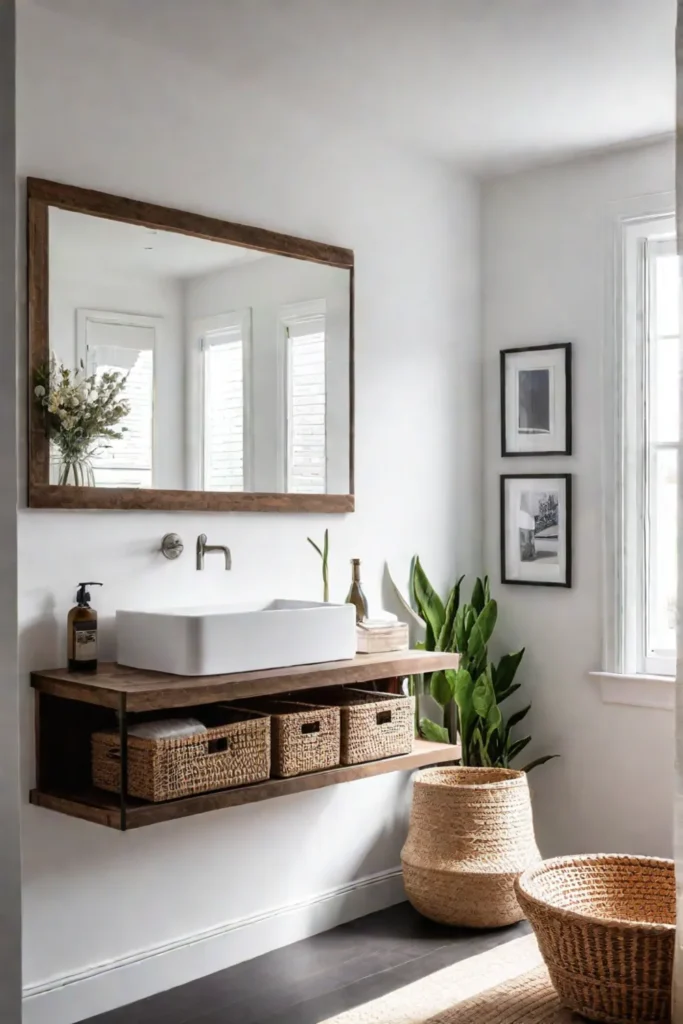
(77, 472)
(324, 553)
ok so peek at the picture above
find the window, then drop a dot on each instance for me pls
(123, 344)
(224, 344)
(649, 438)
(306, 399)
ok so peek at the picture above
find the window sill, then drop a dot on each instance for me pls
(638, 691)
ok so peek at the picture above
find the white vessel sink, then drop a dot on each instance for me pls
(235, 638)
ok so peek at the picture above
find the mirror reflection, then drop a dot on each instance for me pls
(182, 363)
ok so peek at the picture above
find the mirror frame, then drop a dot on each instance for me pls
(42, 195)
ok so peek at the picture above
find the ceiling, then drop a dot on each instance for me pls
(79, 243)
(482, 83)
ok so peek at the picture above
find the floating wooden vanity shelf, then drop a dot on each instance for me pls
(69, 707)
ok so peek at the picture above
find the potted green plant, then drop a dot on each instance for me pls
(478, 687)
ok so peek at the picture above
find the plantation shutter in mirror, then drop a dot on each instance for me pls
(306, 405)
(127, 349)
(224, 381)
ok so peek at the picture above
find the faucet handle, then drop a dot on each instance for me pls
(172, 546)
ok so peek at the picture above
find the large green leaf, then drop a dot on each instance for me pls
(483, 695)
(506, 670)
(445, 638)
(429, 604)
(500, 697)
(433, 732)
(538, 761)
(482, 630)
(517, 747)
(496, 748)
(487, 590)
(459, 631)
(480, 752)
(515, 719)
(411, 584)
(478, 600)
(462, 695)
(443, 687)
(494, 721)
(463, 690)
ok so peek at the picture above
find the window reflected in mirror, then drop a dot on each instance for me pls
(234, 362)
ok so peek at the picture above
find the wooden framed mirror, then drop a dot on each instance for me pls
(179, 362)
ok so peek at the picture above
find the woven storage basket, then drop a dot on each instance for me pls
(235, 751)
(373, 725)
(605, 925)
(304, 738)
(471, 835)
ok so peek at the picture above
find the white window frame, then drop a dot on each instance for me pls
(626, 455)
(201, 329)
(295, 313)
(101, 316)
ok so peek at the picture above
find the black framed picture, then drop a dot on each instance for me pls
(536, 529)
(536, 400)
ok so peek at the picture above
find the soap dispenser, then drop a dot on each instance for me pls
(82, 632)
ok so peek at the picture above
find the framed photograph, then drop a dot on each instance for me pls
(536, 529)
(536, 400)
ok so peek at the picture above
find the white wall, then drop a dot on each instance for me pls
(10, 868)
(545, 279)
(264, 287)
(99, 112)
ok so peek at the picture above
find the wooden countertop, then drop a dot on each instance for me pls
(115, 686)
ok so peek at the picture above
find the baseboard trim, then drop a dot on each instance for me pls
(69, 998)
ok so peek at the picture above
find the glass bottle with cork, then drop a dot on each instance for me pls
(355, 595)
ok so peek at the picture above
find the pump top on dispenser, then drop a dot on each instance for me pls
(82, 632)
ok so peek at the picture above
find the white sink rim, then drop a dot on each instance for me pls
(235, 638)
(277, 604)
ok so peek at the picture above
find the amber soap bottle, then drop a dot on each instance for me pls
(81, 627)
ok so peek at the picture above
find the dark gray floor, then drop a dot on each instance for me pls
(315, 979)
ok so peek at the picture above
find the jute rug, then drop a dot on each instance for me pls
(506, 985)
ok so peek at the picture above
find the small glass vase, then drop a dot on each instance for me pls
(75, 473)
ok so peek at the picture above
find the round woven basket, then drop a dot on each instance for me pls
(605, 925)
(471, 835)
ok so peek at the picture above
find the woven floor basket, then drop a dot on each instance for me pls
(304, 738)
(471, 835)
(233, 753)
(373, 725)
(605, 925)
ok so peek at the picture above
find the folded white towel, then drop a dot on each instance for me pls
(167, 728)
(385, 620)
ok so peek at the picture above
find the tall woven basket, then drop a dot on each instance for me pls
(471, 835)
(606, 926)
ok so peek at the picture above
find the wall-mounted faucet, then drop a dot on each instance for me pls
(208, 549)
